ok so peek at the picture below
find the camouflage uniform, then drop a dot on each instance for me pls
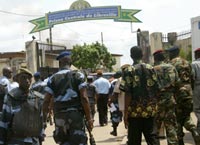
(115, 113)
(92, 98)
(183, 97)
(18, 103)
(168, 77)
(140, 81)
(68, 113)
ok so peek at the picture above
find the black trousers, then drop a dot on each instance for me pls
(137, 126)
(102, 108)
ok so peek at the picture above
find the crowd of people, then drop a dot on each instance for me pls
(143, 95)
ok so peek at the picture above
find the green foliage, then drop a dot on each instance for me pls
(92, 57)
(189, 54)
(186, 54)
(182, 53)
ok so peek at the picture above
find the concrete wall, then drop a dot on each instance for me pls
(116, 67)
(195, 29)
(155, 42)
(31, 55)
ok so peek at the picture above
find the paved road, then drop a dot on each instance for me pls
(101, 134)
(103, 137)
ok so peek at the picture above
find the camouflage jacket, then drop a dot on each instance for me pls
(141, 82)
(169, 79)
(183, 93)
(183, 68)
(64, 86)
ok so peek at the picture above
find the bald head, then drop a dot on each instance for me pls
(7, 72)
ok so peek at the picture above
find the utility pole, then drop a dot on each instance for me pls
(102, 38)
(138, 37)
(50, 37)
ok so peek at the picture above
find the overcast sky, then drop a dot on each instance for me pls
(156, 16)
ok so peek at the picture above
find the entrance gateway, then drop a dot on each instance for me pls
(81, 10)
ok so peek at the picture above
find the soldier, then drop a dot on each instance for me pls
(183, 95)
(5, 84)
(70, 103)
(38, 87)
(168, 77)
(115, 113)
(91, 93)
(196, 84)
(140, 84)
(21, 122)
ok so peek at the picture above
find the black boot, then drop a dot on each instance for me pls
(181, 142)
(114, 132)
(196, 136)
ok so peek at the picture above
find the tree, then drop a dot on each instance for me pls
(92, 57)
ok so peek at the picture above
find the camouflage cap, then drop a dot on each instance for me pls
(24, 70)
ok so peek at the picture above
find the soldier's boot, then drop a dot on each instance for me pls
(196, 136)
(181, 142)
(114, 132)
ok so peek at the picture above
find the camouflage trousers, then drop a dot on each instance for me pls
(184, 120)
(116, 116)
(70, 128)
(183, 109)
(167, 116)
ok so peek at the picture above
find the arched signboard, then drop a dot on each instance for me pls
(77, 13)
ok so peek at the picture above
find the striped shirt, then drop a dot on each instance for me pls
(7, 116)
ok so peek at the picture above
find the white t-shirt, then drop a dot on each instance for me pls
(121, 94)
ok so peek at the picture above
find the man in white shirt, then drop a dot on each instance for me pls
(102, 89)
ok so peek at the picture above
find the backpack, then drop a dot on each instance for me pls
(28, 121)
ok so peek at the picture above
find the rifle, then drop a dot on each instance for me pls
(92, 141)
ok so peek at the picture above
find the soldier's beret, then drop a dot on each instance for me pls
(158, 51)
(63, 54)
(24, 70)
(174, 48)
(37, 74)
(197, 50)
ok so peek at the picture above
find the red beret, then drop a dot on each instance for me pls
(197, 50)
(158, 51)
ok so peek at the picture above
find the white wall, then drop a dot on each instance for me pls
(195, 29)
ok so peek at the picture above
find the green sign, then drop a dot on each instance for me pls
(91, 13)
